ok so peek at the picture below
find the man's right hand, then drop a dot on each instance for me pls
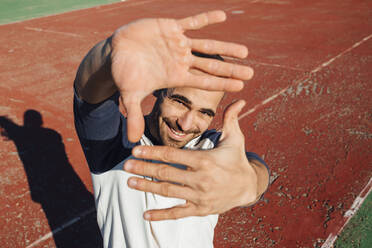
(151, 54)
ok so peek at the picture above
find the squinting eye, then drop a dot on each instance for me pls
(179, 101)
(206, 113)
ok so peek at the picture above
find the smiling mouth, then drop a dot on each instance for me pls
(176, 135)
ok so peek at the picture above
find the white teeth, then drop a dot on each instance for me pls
(174, 131)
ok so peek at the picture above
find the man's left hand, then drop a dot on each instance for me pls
(216, 180)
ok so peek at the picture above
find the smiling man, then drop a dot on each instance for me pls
(167, 167)
(183, 114)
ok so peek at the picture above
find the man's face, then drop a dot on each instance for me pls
(186, 113)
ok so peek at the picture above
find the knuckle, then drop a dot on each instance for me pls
(198, 200)
(172, 215)
(140, 184)
(168, 154)
(164, 189)
(204, 161)
(142, 169)
(212, 65)
(162, 173)
(206, 46)
(204, 185)
(231, 71)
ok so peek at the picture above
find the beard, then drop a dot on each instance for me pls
(169, 141)
(177, 128)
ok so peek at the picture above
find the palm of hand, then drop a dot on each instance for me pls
(152, 54)
(147, 55)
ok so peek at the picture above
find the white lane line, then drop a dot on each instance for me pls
(325, 64)
(279, 66)
(237, 12)
(266, 101)
(318, 68)
(349, 214)
(52, 31)
(128, 4)
(63, 226)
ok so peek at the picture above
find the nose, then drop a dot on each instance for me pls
(186, 122)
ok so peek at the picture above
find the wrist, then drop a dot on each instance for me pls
(250, 190)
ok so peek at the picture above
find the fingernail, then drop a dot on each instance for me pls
(147, 216)
(128, 165)
(137, 151)
(132, 182)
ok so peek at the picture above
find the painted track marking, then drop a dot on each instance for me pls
(53, 32)
(279, 66)
(63, 226)
(349, 214)
(306, 77)
(325, 64)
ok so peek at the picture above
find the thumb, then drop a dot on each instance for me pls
(230, 117)
(135, 120)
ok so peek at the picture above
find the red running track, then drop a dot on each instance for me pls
(308, 114)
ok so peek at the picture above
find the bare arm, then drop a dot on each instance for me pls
(94, 82)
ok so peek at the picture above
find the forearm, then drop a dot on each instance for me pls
(94, 82)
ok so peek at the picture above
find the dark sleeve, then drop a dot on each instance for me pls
(254, 156)
(101, 129)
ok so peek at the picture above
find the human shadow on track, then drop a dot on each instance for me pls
(53, 182)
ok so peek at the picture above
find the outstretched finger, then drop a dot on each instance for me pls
(231, 121)
(162, 188)
(173, 213)
(223, 69)
(190, 158)
(161, 172)
(230, 116)
(135, 120)
(202, 20)
(213, 83)
(219, 47)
